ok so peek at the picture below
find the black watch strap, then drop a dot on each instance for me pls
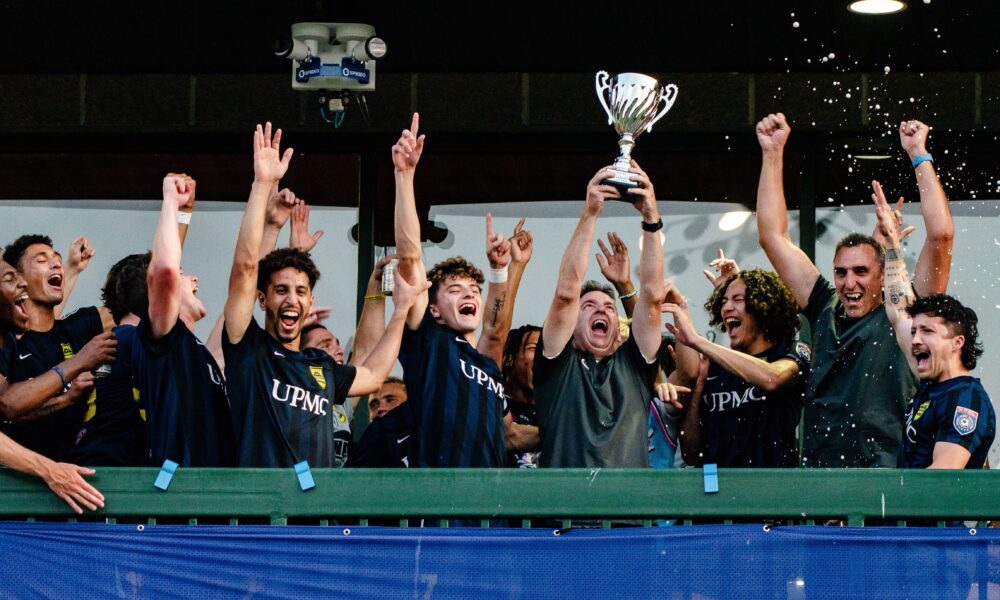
(652, 226)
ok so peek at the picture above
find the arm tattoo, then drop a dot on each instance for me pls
(497, 305)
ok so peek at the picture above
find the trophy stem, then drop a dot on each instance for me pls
(622, 164)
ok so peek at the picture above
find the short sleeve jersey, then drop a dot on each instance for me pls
(457, 398)
(114, 427)
(37, 352)
(287, 406)
(181, 389)
(663, 430)
(958, 411)
(743, 426)
(593, 413)
(858, 386)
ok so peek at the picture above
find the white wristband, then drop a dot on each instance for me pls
(183, 218)
(498, 275)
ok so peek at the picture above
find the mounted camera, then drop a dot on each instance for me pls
(335, 59)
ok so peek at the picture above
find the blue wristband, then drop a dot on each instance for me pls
(62, 377)
(925, 157)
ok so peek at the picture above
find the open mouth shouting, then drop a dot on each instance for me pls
(288, 319)
(733, 327)
(55, 281)
(923, 359)
(468, 309)
(20, 310)
(600, 326)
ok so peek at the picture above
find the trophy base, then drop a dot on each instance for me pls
(623, 184)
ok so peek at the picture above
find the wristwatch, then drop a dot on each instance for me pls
(652, 227)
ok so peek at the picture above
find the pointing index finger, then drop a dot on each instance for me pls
(415, 124)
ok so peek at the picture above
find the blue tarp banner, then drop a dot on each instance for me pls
(89, 560)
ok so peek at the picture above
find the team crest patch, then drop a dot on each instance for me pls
(317, 373)
(965, 420)
(803, 350)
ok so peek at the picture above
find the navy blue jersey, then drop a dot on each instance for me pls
(387, 441)
(287, 406)
(181, 389)
(457, 398)
(114, 426)
(37, 352)
(957, 410)
(744, 426)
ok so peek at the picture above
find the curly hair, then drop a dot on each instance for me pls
(960, 320)
(767, 299)
(14, 251)
(283, 258)
(449, 268)
(125, 290)
(513, 346)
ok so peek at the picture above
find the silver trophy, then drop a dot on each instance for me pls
(633, 104)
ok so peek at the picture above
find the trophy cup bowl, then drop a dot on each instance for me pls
(633, 103)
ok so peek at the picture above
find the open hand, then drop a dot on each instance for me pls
(269, 164)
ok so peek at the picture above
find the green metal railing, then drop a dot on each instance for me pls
(523, 498)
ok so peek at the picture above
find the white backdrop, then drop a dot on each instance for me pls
(118, 228)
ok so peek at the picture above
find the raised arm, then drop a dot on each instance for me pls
(897, 290)
(371, 325)
(269, 166)
(791, 263)
(279, 209)
(565, 308)
(405, 156)
(375, 368)
(163, 278)
(63, 479)
(617, 269)
(934, 263)
(77, 259)
(21, 399)
(686, 358)
(769, 376)
(501, 295)
(724, 267)
(300, 237)
(692, 449)
(647, 318)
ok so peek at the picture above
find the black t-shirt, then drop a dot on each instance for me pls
(593, 413)
(37, 352)
(457, 398)
(386, 442)
(287, 406)
(859, 384)
(188, 417)
(958, 411)
(114, 427)
(744, 426)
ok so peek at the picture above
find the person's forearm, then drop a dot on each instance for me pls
(765, 375)
(19, 458)
(772, 213)
(573, 267)
(628, 304)
(379, 361)
(898, 291)
(407, 224)
(934, 264)
(371, 325)
(251, 234)
(50, 406)
(647, 318)
(522, 438)
(24, 397)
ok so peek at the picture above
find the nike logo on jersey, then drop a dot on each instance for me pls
(276, 353)
(460, 340)
(402, 439)
(711, 378)
(24, 356)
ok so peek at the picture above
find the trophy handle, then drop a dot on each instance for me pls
(602, 81)
(668, 94)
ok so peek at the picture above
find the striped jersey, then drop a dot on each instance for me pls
(287, 406)
(457, 399)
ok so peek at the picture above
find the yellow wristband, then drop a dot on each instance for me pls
(371, 297)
